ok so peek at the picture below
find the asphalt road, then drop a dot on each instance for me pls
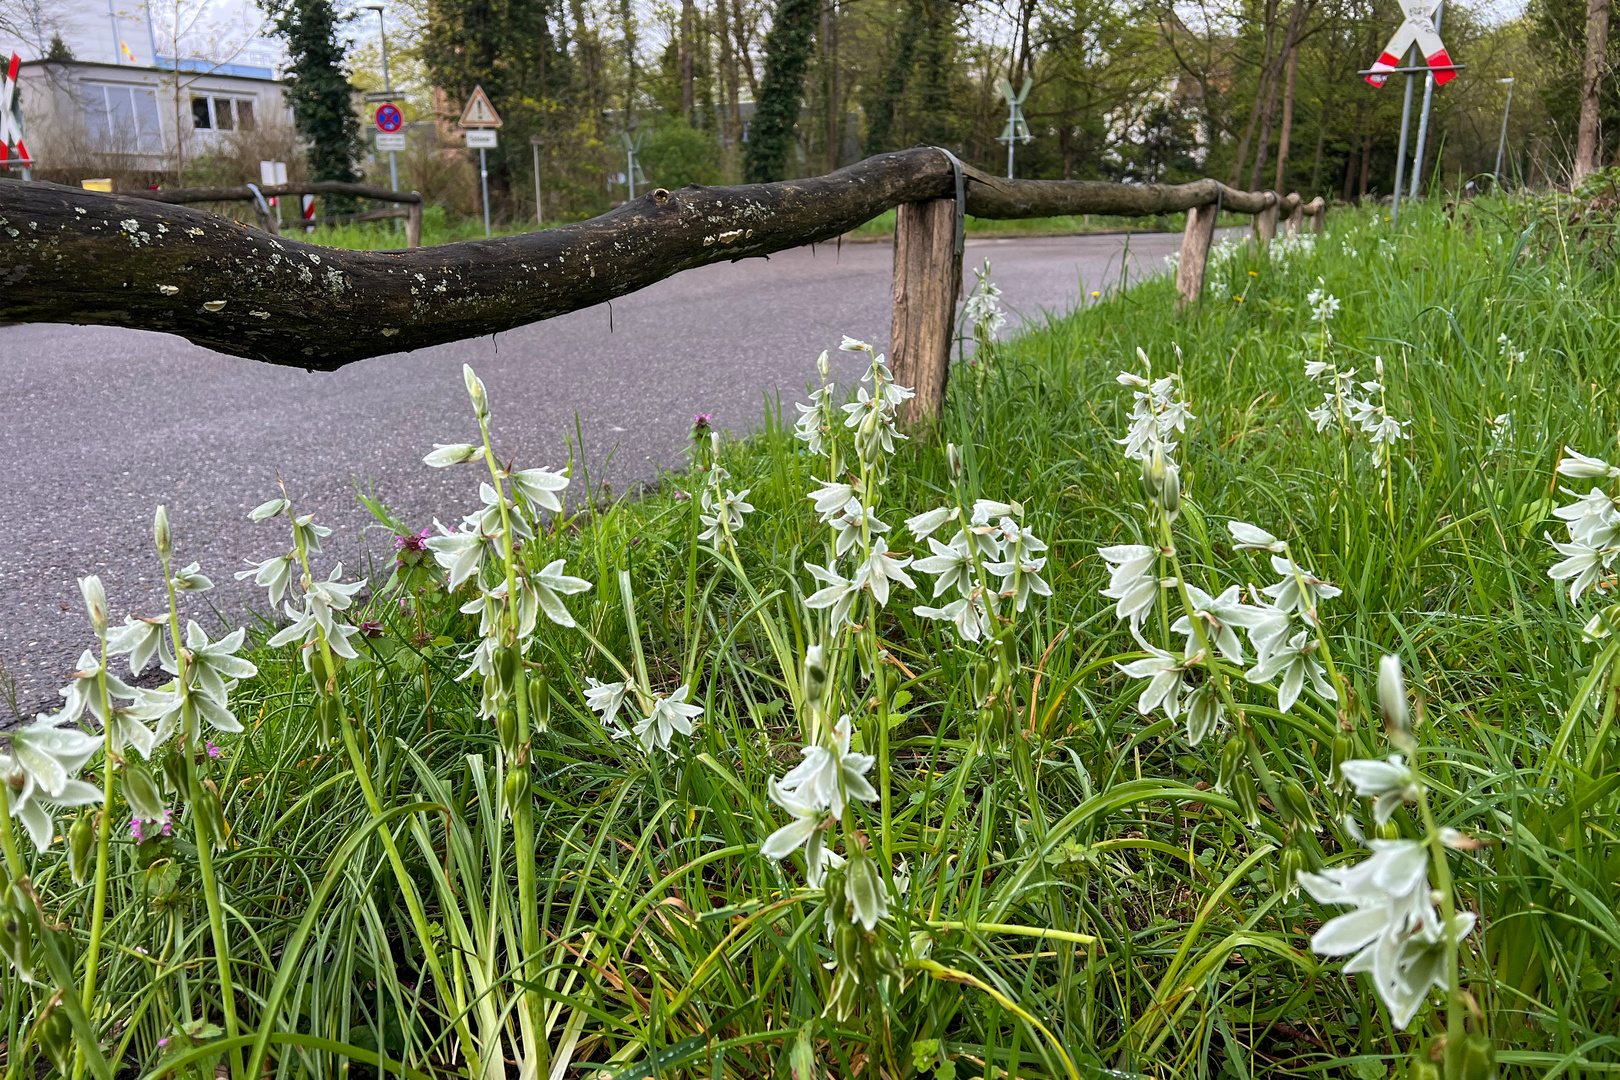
(100, 425)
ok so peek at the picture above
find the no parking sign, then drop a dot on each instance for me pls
(389, 118)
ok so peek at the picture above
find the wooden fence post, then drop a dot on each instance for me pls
(413, 222)
(1296, 216)
(927, 276)
(1195, 243)
(1265, 223)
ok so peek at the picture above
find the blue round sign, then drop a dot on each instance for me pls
(389, 117)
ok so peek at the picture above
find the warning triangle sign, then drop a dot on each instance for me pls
(479, 113)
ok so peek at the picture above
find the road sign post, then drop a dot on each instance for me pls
(632, 167)
(11, 122)
(1419, 33)
(389, 121)
(1423, 117)
(480, 121)
(1016, 130)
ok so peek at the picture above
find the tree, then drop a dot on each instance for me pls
(1597, 42)
(776, 114)
(318, 86)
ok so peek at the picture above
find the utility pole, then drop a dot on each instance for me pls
(388, 88)
(1501, 144)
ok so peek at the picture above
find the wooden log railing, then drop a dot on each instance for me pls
(143, 260)
(410, 210)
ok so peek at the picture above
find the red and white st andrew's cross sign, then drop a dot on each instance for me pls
(11, 131)
(1418, 27)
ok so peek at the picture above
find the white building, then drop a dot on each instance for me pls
(111, 97)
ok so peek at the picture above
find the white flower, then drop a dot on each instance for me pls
(1394, 934)
(1164, 670)
(814, 419)
(84, 692)
(953, 564)
(1219, 614)
(1578, 466)
(969, 616)
(881, 568)
(726, 512)
(1581, 567)
(1390, 783)
(460, 553)
(1246, 537)
(1287, 595)
(550, 585)
(925, 525)
(850, 344)
(1204, 712)
(1295, 663)
(40, 770)
(447, 454)
(805, 830)
(274, 574)
(605, 698)
(1131, 581)
(837, 592)
(191, 579)
(831, 497)
(830, 775)
(214, 667)
(669, 715)
(847, 526)
(540, 487)
(1020, 573)
(142, 639)
(1591, 518)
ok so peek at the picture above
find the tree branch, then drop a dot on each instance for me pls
(75, 256)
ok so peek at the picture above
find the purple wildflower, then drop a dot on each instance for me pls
(139, 835)
(411, 548)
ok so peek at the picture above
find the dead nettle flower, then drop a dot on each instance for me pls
(410, 549)
(701, 425)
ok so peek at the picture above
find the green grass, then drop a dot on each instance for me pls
(1083, 896)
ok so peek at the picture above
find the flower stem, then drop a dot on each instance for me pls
(98, 910)
(1448, 911)
(189, 737)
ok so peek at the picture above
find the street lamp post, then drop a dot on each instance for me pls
(1501, 143)
(388, 88)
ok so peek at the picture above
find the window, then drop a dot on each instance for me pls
(222, 113)
(123, 119)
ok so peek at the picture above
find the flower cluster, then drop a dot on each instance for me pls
(667, 715)
(992, 545)
(982, 311)
(815, 793)
(1348, 404)
(722, 509)
(1593, 524)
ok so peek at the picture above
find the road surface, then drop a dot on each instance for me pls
(100, 425)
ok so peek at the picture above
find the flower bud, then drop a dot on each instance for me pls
(1248, 799)
(1392, 702)
(953, 459)
(142, 793)
(540, 702)
(1289, 866)
(81, 845)
(475, 390)
(815, 674)
(1232, 755)
(327, 715)
(160, 532)
(506, 668)
(517, 787)
(1344, 749)
(821, 364)
(213, 813)
(95, 602)
(1472, 1057)
(1297, 805)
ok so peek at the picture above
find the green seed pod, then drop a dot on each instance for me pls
(540, 702)
(208, 805)
(1422, 1070)
(326, 715)
(1473, 1058)
(506, 725)
(1232, 755)
(1289, 866)
(319, 671)
(55, 1035)
(81, 845)
(981, 682)
(142, 792)
(1344, 749)
(506, 668)
(517, 787)
(1297, 805)
(1248, 800)
(17, 937)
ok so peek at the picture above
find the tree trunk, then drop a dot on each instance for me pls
(1587, 150)
(1259, 95)
(1316, 165)
(1366, 165)
(113, 260)
(728, 78)
(1290, 37)
(1287, 116)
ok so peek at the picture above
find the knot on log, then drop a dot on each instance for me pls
(660, 196)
